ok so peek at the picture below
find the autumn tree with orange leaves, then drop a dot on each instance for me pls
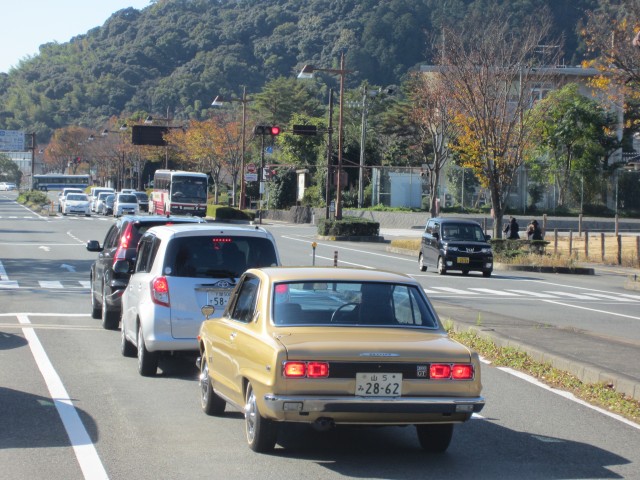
(66, 152)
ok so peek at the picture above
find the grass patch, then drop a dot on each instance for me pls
(601, 395)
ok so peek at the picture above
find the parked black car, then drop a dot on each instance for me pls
(120, 243)
(455, 244)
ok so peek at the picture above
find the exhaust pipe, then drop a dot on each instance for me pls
(323, 424)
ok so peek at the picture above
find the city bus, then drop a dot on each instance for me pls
(56, 181)
(178, 192)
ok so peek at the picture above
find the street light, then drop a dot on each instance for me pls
(307, 72)
(218, 102)
(120, 174)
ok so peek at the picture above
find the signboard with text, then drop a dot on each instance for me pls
(12, 141)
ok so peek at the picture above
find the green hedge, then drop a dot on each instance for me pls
(221, 212)
(348, 227)
(513, 248)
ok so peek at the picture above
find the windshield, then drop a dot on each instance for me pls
(127, 198)
(189, 189)
(351, 303)
(462, 231)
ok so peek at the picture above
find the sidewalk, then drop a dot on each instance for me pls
(591, 358)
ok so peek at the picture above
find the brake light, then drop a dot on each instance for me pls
(439, 371)
(295, 369)
(160, 291)
(462, 372)
(121, 251)
(444, 371)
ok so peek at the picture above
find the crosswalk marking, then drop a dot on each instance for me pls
(8, 284)
(534, 294)
(617, 298)
(495, 292)
(50, 284)
(453, 290)
(572, 295)
(85, 283)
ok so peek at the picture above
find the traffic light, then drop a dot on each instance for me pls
(272, 130)
(305, 130)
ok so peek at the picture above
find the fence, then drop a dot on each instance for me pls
(614, 248)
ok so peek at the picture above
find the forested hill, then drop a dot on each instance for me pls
(178, 54)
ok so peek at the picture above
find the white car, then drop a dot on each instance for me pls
(6, 186)
(98, 205)
(76, 203)
(178, 270)
(125, 204)
(94, 193)
(63, 195)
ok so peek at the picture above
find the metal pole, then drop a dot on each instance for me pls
(242, 166)
(329, 155)
(363, 141)
(261, 178)
(340, 115)
(33, 158)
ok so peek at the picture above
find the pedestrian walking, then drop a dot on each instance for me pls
(512, 229)
(534, 232)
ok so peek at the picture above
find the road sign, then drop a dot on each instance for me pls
(251, 168)
(11, 141)
(250, 177)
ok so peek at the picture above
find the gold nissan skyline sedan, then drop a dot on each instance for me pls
(334, 346)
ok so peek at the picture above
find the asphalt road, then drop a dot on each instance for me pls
(72, 407)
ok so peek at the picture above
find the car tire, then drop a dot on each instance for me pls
(442, 270)
(147, 361)
(96, 308)
(211, 403)
(486, 273)
(435, 438)
(261, 433)
(421, 264)
(110, 319)
(465, 272)
(127, 349)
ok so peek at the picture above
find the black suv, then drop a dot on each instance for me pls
(120, 243)
(455, 244)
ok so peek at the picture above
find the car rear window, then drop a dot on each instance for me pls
(127, 199)
(352, 304)
(215, 256)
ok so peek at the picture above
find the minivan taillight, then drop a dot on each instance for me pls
(121, 251)
(160, 291)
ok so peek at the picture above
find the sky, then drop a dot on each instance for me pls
(27, 24)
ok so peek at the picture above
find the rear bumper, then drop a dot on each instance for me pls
(372, 410)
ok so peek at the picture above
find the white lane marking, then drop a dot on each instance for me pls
(454, 290)
(568, 395)
(534, 294)
(495, 292)
(336, 247)
(342, 261)
(85, 451)
(84, 283)
(50, 284)
(573, 295)
(593, 309)
(617, 298)
(8, 284)
(45, 249)
(3, 273)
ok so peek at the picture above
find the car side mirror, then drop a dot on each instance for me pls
(487, 237)
(122, 266)
(94, 246)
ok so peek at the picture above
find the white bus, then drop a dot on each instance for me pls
(179, 193)
(55, 181)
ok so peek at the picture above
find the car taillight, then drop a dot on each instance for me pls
(306, 369)
(444, 371)
(121, 251)
(160, 291)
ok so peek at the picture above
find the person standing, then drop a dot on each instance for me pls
(534, 232)
(512, 229)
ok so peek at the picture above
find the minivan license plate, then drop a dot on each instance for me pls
(463, 259)
(218, 298)
(379, 384)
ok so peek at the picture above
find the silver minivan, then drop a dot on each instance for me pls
(178, 270)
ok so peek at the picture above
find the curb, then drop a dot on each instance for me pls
(583, 371)
(543, 269)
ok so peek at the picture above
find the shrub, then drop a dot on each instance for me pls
(220, 212)
(348, 227)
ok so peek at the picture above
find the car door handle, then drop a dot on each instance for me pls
(232, 336)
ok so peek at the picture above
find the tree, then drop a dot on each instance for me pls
(9, 170)
(67, 148)
(571, 133)
(432, 114)
(489, 72)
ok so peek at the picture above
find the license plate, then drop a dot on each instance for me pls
(218, 298)
(463, 259)
(379, 384)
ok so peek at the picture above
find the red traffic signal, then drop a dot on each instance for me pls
(267, 130)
